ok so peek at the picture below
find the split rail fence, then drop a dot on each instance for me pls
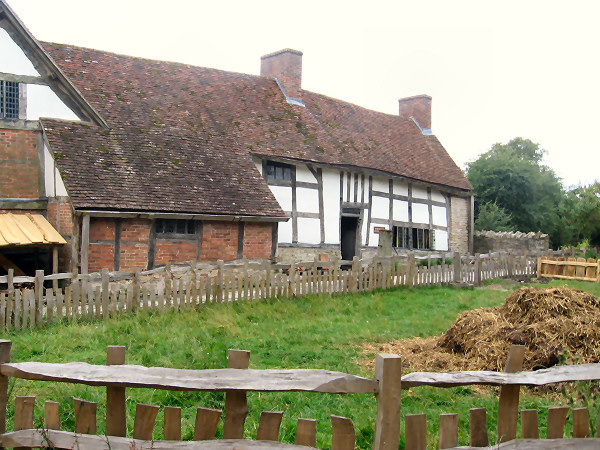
(238, 380)
(107, 294)
(569, 268)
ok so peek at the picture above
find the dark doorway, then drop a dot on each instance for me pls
(349, 227)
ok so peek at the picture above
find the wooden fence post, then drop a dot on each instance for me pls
(39, 296)
(236, 402)
(511, 265)
(5, 347)
(411, 269)
(508, 404)
(478, 427)
(220, 270)
(529, 424)
(116, 416)
(456, 266)
(448, 430)
(477, 276)
(415, 432)
(388, 371)
(354, 277)
(556, 422)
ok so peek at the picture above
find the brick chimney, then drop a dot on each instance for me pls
(418, 108)
(286, 66)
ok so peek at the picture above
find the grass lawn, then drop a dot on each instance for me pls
(312, 332)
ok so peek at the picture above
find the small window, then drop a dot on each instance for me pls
(9, 100)
(413, 238)
(278, 171)
(175, 226)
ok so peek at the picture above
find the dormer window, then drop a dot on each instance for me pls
(278, 171)
(9, 100)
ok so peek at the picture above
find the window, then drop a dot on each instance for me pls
(278, 171)
(9, 100)
(175, 226)
(413, 238)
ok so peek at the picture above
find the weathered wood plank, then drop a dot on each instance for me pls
(236, 402)
(448, 430)
(545, 444)
(5, 348)
(312, 380)
(557, 374)
(268, 427)
(306, 432)
(508, 403)
(343, 436)
(478, 427)
(143, 424)
(116, 416)
(52, 415)
(581, 423)
(529, 424)
(85, 416)
(206, 423)
(415, 432)
(172, 423)
(388, 371)
(64, 439)
(23, 418)
(556, 422)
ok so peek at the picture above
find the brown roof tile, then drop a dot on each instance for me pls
(181, 137)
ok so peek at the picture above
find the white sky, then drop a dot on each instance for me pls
(495, 69)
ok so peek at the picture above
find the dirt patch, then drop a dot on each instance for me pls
(555, 324)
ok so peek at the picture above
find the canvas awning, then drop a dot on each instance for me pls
(27, 229)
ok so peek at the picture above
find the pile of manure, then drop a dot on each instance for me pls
(555, 324)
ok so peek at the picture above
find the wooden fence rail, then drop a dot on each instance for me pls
(569, 268)
(237, 380)
(107, 295)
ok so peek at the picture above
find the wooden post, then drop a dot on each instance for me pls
(477, 277)
(236, 402)
(511, 265)
(5, 347)
(306, 432)
(172, 423)
(52, 415)
(581, 423)
(116, 416)
(85, 243)
(343, 436)
(105, 293)
(529, 424)
(411, 269)
(268, 427)
(448, 430)
(478, 427)
(456, 267)
(556, 422)
(508, 404)
(415, 434)
(143, 425)
(220, 270)
(39, 296)
(23, 418)
(55, 266)
(85, 416)
(206, 423)
(388, 371)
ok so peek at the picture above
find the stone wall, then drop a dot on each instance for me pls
(459, 224)
(514, 242)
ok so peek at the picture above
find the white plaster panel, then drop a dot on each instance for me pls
(439, 216)
(380, 208)
(437, 196)
(400, 210)
(283, 195)
(364, 232)
(373, 237)
(381, 184)
(419, 192)
(13, 59)
(420, 213)
(284, 232)
(43, 102)
(400, 188)
(307, 200)
(304, 175)
(309, 231)
(441, 240)
(331, 206)
(52, 177)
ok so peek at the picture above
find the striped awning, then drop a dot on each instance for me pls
(27, 229)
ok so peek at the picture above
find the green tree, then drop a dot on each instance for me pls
(581, 210)
(514, 177)
(492, 217)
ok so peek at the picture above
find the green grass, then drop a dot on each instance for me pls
(313, 332)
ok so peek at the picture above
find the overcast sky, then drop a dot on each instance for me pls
(495, 69)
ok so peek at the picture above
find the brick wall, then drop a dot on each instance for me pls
(20, 174)
(135, 236)
(459, 224)
(258, 239)
(219, 241)
(175, 250)
(60, 215)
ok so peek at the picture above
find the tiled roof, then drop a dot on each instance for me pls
(181, 137)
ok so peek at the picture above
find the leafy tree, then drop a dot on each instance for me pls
(513, 177)
(492, 217)
(581, 211)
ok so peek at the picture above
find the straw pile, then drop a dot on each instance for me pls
(556, 324)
